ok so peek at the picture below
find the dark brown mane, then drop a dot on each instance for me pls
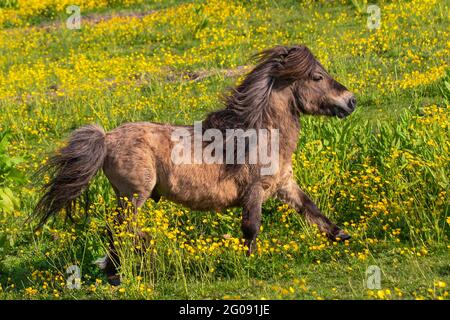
(248, 105)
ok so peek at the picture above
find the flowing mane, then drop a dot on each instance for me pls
(248, 104)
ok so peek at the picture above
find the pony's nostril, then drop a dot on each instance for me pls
(352, 102)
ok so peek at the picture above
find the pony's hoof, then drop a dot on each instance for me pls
(341, 236)
(249, 252)
(251, 247)
(114, 280)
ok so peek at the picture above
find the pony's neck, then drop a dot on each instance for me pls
(285, 118)
(258, 104)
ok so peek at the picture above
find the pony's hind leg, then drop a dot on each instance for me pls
(137, 202)
(110, 262)
(129, 202)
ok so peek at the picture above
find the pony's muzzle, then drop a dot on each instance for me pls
(347, 107)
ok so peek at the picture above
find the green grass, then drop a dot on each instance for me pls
(381, 173)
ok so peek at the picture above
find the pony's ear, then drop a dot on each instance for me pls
(292, 63)
(273, 55)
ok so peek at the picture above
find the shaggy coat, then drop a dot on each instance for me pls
(136, 157)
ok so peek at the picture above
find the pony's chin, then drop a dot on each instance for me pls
(340, 112)
(343, 115)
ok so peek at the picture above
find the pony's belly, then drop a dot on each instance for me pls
(202, 203)
(198, 188)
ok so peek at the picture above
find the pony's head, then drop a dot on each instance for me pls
(314, 90)
(297, 75)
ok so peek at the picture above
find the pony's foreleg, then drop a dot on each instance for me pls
(296, 198)
(251, 217)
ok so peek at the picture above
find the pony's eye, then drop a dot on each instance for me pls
(317, 77)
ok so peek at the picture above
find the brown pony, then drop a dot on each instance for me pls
(136, 157)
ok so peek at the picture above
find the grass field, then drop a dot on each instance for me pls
(382, 173)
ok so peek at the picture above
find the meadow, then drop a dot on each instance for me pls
(382, 173)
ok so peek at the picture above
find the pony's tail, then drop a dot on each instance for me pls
(71, 170)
